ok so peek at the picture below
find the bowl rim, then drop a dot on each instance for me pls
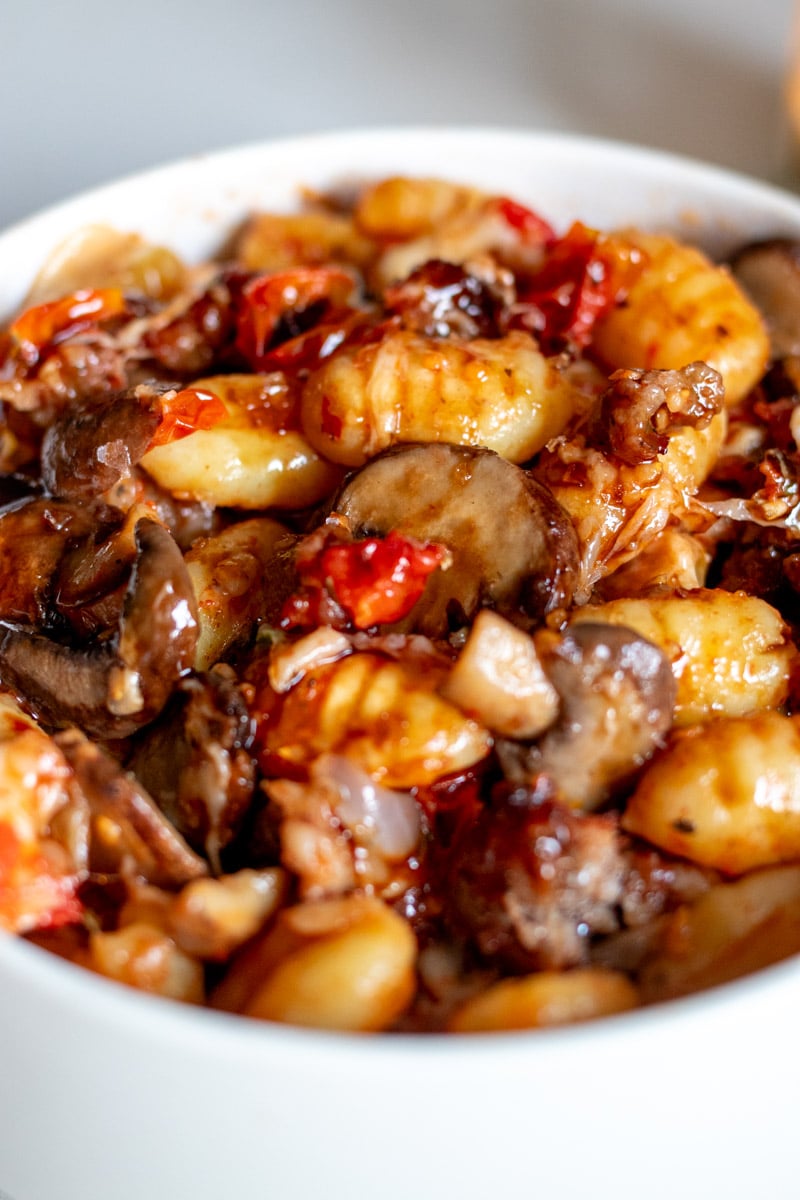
(160, 1020)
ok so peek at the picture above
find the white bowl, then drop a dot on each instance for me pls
(106, 1094)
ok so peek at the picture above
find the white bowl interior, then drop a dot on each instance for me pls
(169, 1101)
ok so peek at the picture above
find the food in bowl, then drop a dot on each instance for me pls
(398, 614)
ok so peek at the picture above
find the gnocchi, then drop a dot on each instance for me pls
(399, 629)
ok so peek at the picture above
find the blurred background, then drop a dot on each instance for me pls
(96, 90)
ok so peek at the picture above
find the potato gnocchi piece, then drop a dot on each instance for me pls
(734, 929)
(341, 964)
(278, 242)
(547, 998)
(731, 653)
(143, 956)
(98, 256)
(501, 393)
(255, 458)
(210, 918)
(400, 208)
(237, 579)
(725, 795)
(681, 309)
(383, 715)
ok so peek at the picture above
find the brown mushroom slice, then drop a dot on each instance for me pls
(769, 271)
(514, 549)
(126, 826)
(33, 535)
(617, 695)
(194, 761)
(88, 450)
(113, 687)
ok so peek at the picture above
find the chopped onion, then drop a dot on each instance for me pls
(389, 820)
(738, 509)
(289, 661)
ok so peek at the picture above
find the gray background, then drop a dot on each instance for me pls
(94, 89)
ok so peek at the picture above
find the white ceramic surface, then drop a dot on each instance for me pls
(110, 1095)
(94, 90)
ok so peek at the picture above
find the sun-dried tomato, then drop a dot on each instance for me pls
(284, 306)
(186, 411)
(582, 277)
(374, 581)
(40, 328)
(533, 228)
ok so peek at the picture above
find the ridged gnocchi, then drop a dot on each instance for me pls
(682, 308)
(345, 965)
(726, 794)
(400, 625)
(255, 458)
(546, 999)
(502, 393)
(731, 653)
(385, 716)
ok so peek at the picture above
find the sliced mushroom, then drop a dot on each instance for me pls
(617, 695)
(195, 761)
(126, 826)
(513, 547)
(113, 687)
(89, 449)
(769, 271)
(34, 534)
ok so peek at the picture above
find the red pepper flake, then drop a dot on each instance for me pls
(185, 412)
(374, 581)
(40, 328)
(331, 424)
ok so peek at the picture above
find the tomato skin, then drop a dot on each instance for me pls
(185, 412)
(268, 300)
(44, 326)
